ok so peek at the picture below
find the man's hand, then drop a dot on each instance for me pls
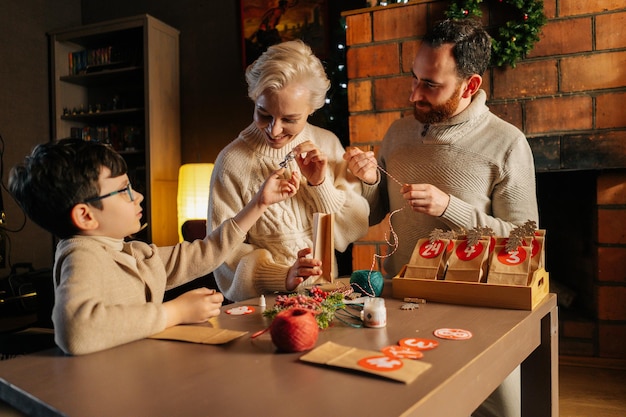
(425, 198)
(362, 164)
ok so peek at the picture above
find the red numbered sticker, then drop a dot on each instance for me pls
(514, 257)
(240, 311)
(430, 249)
(453, 334)
(406, 352)
(381, 363)
(417, 343)
(467, 253)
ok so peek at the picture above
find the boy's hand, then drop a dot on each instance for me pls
(362, 164)
(312, 162)
(195, 306)
(276, 188)
(301, 269)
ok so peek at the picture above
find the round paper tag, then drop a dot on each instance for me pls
(381, 363)
(239, 311)
(402, 352)
(420, 344)
(453, 334)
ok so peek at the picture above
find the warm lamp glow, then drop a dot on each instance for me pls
(193, 193)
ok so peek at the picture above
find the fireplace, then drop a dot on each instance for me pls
(567, 204)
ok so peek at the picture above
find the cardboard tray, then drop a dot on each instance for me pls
(474, 293)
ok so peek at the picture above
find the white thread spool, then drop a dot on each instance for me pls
(374, 312)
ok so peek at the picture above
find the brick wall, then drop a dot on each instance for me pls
(567, 96)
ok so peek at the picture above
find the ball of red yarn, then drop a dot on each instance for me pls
(294, 330)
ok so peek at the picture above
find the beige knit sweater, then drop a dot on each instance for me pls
(262, 263)
(484, 163)
(108, 292)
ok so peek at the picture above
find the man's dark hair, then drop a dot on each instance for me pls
(58, 175)
(472, 44)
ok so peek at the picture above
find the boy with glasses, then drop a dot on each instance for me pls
(109, 291)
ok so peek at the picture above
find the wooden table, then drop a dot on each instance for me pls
(247, 377)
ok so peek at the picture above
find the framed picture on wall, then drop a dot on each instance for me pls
(267, 22)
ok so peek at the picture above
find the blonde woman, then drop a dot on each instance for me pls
(287, 84)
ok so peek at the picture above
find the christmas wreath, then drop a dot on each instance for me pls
(515, 38)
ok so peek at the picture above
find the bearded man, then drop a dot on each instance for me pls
(460, 165)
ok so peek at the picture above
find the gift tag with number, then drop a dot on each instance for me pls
(405, 352)
(240, 311)
(453, 334)
(418, 343)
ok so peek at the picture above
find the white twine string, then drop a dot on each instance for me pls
(389, 175)
(393, 243)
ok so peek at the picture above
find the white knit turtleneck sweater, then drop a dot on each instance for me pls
(261, 265)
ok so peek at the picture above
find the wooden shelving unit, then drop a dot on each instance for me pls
(130, 98)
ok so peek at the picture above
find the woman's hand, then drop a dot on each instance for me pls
(312, 162)
(303, 268)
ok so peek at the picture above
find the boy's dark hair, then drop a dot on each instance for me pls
(58, 175)
(472, 44)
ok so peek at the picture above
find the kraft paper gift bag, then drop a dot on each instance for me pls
(467, 261)
(198, 334)
(509, 266)
(368, 361)
(429, 259)
(323, 248)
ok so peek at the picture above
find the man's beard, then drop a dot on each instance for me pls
(441, 112)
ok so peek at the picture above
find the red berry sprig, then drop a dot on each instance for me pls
(318, 294)
(322, 303)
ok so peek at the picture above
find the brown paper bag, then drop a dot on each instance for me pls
(198, 334)
(510, 267)
(428, 259)
(538, 260)
(323, 248)
(466, 262)
(333, 354)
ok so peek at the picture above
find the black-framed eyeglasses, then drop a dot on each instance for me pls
(128, 190)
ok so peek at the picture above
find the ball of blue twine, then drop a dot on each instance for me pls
(371, 284)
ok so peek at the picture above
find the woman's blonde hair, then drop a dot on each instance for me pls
(285, 63)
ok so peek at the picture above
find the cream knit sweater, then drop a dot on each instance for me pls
(108, 292)
(484, 163)
(261, 265)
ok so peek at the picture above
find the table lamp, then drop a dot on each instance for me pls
(193, 192)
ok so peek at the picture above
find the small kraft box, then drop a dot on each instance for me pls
(479, 270)
(517, 297)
